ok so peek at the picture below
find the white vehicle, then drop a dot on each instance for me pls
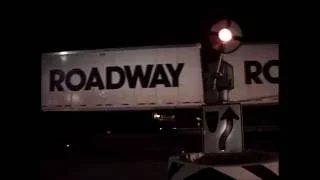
(150, 77)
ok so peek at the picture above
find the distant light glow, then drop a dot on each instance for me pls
(63, 58)
(198, 118)
(174, 128)
(225, 35)
(156, 116)
(160, 129)
(63, 53)
(108, 132)
(67, 145)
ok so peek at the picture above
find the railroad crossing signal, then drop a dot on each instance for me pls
(225, 36)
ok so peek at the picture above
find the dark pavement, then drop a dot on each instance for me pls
(103, 169)
(129, 157)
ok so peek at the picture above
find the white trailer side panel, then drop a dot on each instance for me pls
(256, 73)
(87, 69)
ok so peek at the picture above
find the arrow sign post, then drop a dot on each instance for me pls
(229, 116)
(222, 128)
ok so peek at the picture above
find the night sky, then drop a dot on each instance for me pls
(72, 30)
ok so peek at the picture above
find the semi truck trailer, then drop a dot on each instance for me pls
(156, 77)
(161, 89)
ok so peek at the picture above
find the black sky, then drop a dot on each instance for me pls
(123, 28)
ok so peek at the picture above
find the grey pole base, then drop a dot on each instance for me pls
(244, 166)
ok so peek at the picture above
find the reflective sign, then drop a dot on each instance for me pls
(222, 128)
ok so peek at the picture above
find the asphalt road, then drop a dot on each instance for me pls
(127, 157)
(82, 169)
(110, 157)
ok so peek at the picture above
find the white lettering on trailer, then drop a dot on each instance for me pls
(256, 73)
